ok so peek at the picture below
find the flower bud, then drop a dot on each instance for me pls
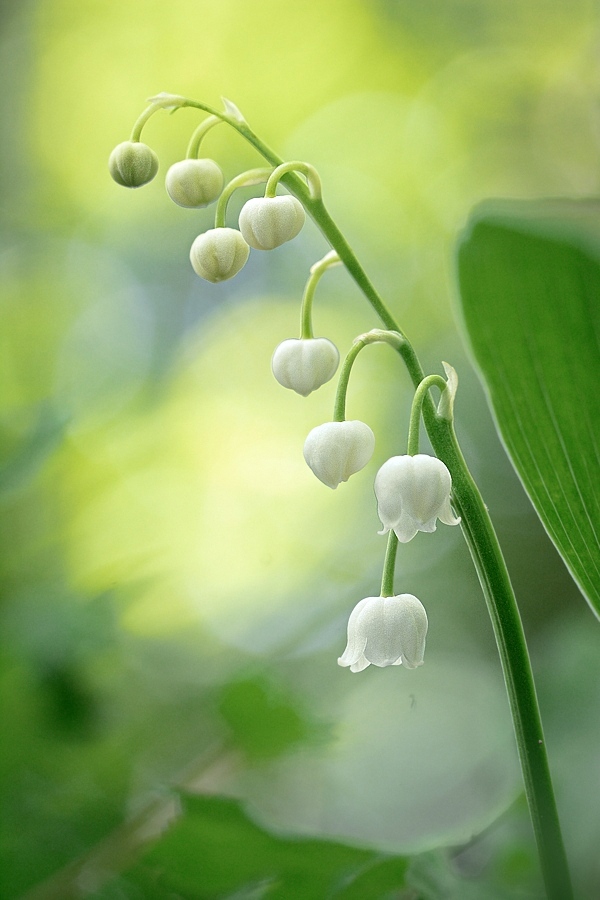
(194, 182)
(304, 364)
(219, 254)
(268, 222)
(336, 450)
(386, 631)
(412, 492)
(132, 164)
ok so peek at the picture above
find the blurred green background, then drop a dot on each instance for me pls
(175, 582)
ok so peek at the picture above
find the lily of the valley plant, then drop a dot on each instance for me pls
(413, 490)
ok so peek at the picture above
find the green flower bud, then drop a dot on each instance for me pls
(268, 222)
(194, 182)
(132, 164)
(219, 254)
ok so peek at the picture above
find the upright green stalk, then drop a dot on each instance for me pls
(479, 533)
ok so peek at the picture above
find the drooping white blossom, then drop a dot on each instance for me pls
(336, 450)
(304, 364)
(386, 631)
(268, 222)
(219, 254)
(412, 492)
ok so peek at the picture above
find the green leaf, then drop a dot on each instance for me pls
(215, 851)
(529, 278)
(263, 719)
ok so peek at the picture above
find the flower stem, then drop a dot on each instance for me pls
(246, 179)
(196, 138)
(375, 336)
(136, 131)
(316, 272)
(339, 406)
(389, 565)
(510, 639)
(479, 533)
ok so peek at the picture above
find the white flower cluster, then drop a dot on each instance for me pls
(412, 491)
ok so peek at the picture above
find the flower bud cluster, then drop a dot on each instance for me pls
(265, 223)
(219, 254)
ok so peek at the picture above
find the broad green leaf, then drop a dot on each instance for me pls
(215, 851)
(529, 278)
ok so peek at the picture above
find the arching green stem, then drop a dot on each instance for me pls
(312, 177)
(246, 179)
(198, 135)
(416, 408)
(316, 272)
(339, 407)
(477, 528)
(375, 336)
(136, 131)
(389, 565)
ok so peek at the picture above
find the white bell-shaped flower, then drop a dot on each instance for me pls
(304, 364)
(336, 450)
(219, 254)
(194, 183)
(386, 631)
(268, 222)
(412, 492)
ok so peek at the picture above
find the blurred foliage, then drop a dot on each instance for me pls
(265, 866)
(174, 582)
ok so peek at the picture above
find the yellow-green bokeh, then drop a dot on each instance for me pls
(161, 533)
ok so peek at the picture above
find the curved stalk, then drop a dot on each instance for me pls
(481, 540)
(316, 273)
(198, 136)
